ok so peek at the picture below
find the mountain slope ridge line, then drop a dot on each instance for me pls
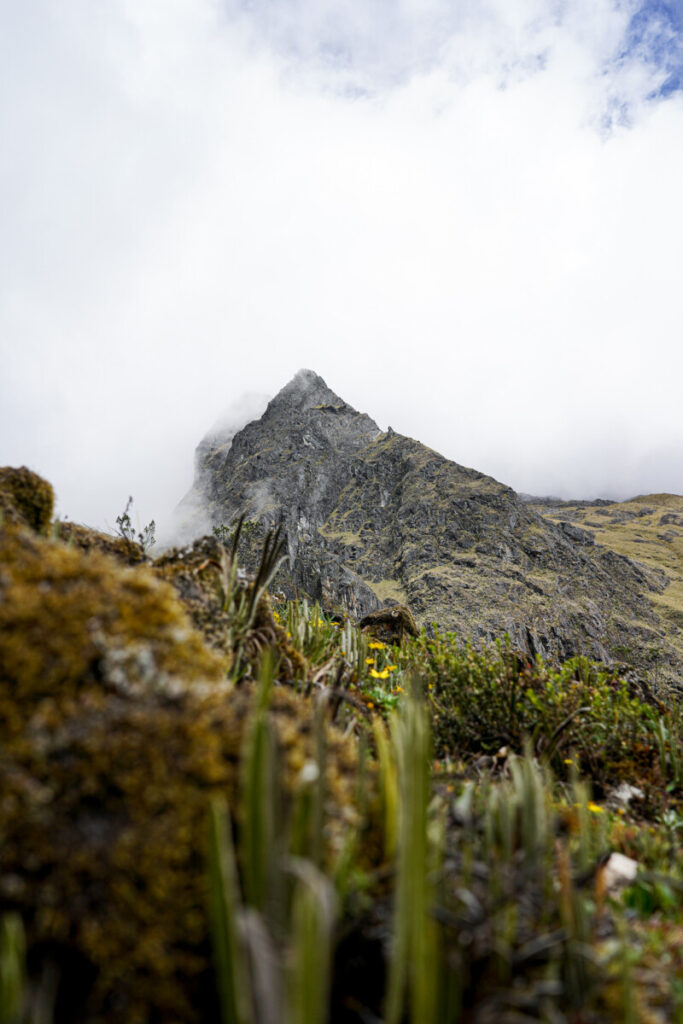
(374, 518)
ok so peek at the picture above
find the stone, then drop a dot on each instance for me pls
(618, 871)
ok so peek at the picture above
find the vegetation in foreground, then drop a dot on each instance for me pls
(303, 822)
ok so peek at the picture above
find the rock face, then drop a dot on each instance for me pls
(375, 518)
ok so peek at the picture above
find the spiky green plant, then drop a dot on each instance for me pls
(413, 967)
(312, 941)
(242, 602)
(12, 969)
(225, 909)
(279, 936)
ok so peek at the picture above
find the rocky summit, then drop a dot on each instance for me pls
(374, 518)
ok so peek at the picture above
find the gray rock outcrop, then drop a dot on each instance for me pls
(374, 518)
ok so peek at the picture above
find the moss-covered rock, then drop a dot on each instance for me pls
(25, 498)
(116, 728)
(70, 621)
(129, 552)
(390, 624)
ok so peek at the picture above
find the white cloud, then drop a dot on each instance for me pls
(468, 223)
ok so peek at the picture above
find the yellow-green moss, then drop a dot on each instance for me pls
(388, 590)
(115, 731)
(346, 537)
(25, 498)
(68, 620)
(127, 551)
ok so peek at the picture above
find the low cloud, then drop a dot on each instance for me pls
(468, 223)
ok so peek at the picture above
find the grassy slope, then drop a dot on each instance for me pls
(636, 529)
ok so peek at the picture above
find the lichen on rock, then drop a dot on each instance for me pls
(390, 625)
(125, 550)
(116, 728)
(25, 498)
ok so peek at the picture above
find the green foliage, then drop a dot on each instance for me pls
(413, 967)
(310, 632)
(224, 903)
(246, 529)
(395, 887)
(243, 603)
(483, 700)
(669, 736)
(273, 917)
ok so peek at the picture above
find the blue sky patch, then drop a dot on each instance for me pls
(655, 34)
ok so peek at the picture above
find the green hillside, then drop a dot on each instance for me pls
(218, 804)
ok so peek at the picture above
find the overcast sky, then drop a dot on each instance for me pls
(466, 215)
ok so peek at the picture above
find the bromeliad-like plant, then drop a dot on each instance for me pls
(241, 602)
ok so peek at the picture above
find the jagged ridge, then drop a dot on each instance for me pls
(375, 517)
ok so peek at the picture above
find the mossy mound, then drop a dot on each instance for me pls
(116, 730)
(70, 621)
(390, 625)
(25, 498)
(129, 552)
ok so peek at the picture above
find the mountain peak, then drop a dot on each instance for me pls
(373, 518)
(304, 378)
(306, 390)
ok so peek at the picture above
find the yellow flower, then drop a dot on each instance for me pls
(376, 645)
(595, 808)
(276, 616)
(392, 668)
(568, 760)
(370, 704)
(369, 661)
(384, 674)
